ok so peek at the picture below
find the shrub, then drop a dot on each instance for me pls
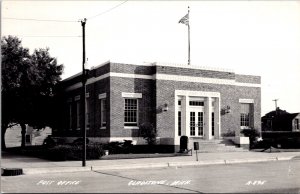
(119, 147)
(74, 152)
(59, 152)
(113, 147)
(228, 133)
(252, 134)
(79, 141)
(50, 141)
(148, 132)
(94, 151)
(127, 146)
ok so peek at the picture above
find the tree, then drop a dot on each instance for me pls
(148, 132)
(28, 86)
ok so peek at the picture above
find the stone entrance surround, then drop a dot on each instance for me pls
(185, 96)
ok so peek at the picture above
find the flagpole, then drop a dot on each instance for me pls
(189, 47)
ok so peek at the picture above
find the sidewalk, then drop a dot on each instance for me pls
(32, 165)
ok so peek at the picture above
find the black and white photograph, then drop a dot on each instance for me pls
(142, 96)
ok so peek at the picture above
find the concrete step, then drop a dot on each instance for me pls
(220, 145)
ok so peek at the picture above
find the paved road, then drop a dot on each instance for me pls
(270, 177)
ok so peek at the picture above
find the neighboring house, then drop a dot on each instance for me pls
(201, 103)
(280, 120)
(32, 137)
(35, 136)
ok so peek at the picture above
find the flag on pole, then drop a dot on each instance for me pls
(185, 19)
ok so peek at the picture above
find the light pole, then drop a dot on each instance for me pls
(83, 105)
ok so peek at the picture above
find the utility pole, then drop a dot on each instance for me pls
(275, 103)
(83, 101)
(189, 47)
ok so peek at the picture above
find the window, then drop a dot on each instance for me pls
(87, 116)
(212, 123)
(28, 138)
(245, 115)
(179, 123)
(77, 115)
(196, 103)
(296, 124)
(103, 112)
(200, 123)
(192, 123)
(179, 102)
(131, 112)
(70, 116)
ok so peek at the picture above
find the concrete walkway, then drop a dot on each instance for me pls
(31, 165)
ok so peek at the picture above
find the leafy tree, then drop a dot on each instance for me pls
(148, 132)
(28, 86)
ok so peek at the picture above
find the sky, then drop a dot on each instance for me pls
(249, 37)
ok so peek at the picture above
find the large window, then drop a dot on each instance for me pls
(179, 123)
(131, 112)
(245, 115)
(296, 124)
(192, 123)
(87, 116)
(70, 116)
(200, 123)
(212, 123)
(196, 103)
(103, 112)
(78, 115)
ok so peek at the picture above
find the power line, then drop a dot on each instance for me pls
(92, 17)
(46, 36)
(38, 20)
(46, 20)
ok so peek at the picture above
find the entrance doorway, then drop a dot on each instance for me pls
(196, 123)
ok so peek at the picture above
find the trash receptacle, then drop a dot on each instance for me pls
(184, 143)
(196, 145)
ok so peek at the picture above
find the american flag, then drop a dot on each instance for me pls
(184, 20)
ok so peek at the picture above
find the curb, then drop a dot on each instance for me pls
(134, 166)
(27, 171)
(31, 171)
(195, 163)
(285, 158)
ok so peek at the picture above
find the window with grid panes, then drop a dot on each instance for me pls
(296, 124)
(179, 123)
(196, 103)
(131, 112)
(87, 115)
(245, 115)
(103, 112)
(77, 115)
(70, 116)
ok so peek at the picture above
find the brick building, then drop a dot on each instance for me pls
(201, 103)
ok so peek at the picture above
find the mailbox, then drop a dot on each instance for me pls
(196, 145)
(184, 140)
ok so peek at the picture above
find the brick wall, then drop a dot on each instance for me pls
(155, 93)
(146, 104)
(248, 79)
(230, 96)
(130, 68)
(195, 72)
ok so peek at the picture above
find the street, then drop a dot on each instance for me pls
(264, 177)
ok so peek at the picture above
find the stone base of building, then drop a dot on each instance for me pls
(245, 146)
(242, 142)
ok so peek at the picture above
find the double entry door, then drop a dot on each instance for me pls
(197, 123)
